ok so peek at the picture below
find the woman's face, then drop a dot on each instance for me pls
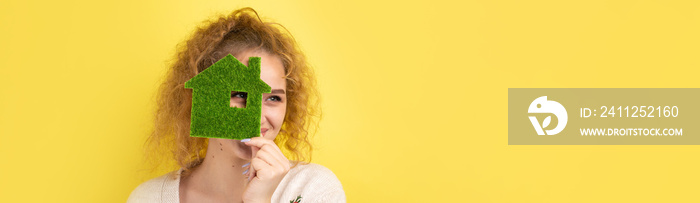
(274, 104)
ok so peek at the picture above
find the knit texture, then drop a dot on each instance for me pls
(313, 182)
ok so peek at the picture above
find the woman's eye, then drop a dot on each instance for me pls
(239, 95)
(274, 98)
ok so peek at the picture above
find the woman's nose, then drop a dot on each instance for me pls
(263, 118)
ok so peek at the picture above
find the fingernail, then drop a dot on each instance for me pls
(244, 165)
(246, 171)
(245, 140)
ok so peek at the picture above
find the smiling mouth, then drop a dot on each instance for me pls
(263, 131)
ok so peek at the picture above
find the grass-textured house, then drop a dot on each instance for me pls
(212, 115)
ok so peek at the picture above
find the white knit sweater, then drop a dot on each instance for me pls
(313, 182)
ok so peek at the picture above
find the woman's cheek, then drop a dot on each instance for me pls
(278, 117)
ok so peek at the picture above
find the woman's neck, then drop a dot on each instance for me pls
(220, 176)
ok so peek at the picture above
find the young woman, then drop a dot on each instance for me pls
(249, 170)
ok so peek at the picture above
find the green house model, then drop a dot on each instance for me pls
(212, 115)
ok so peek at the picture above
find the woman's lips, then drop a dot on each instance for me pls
(263, 131)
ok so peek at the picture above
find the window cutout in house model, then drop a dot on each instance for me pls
(238, 99)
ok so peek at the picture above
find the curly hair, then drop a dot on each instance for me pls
(240, 31)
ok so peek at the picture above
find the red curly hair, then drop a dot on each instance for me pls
(240, 31)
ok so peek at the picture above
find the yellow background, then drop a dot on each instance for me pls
(415, 94)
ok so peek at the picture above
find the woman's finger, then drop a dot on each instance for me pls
(254, 151)
(272, 159)
(264, 170)
(262, 142)
(266, 156)
(276, 156)
(251, 170)
(268, 152)
(258, 142)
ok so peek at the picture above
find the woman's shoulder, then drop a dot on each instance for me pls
(312, 182)
(312, 171)
(164, 188)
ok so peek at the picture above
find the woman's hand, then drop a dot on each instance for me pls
(267, 169)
